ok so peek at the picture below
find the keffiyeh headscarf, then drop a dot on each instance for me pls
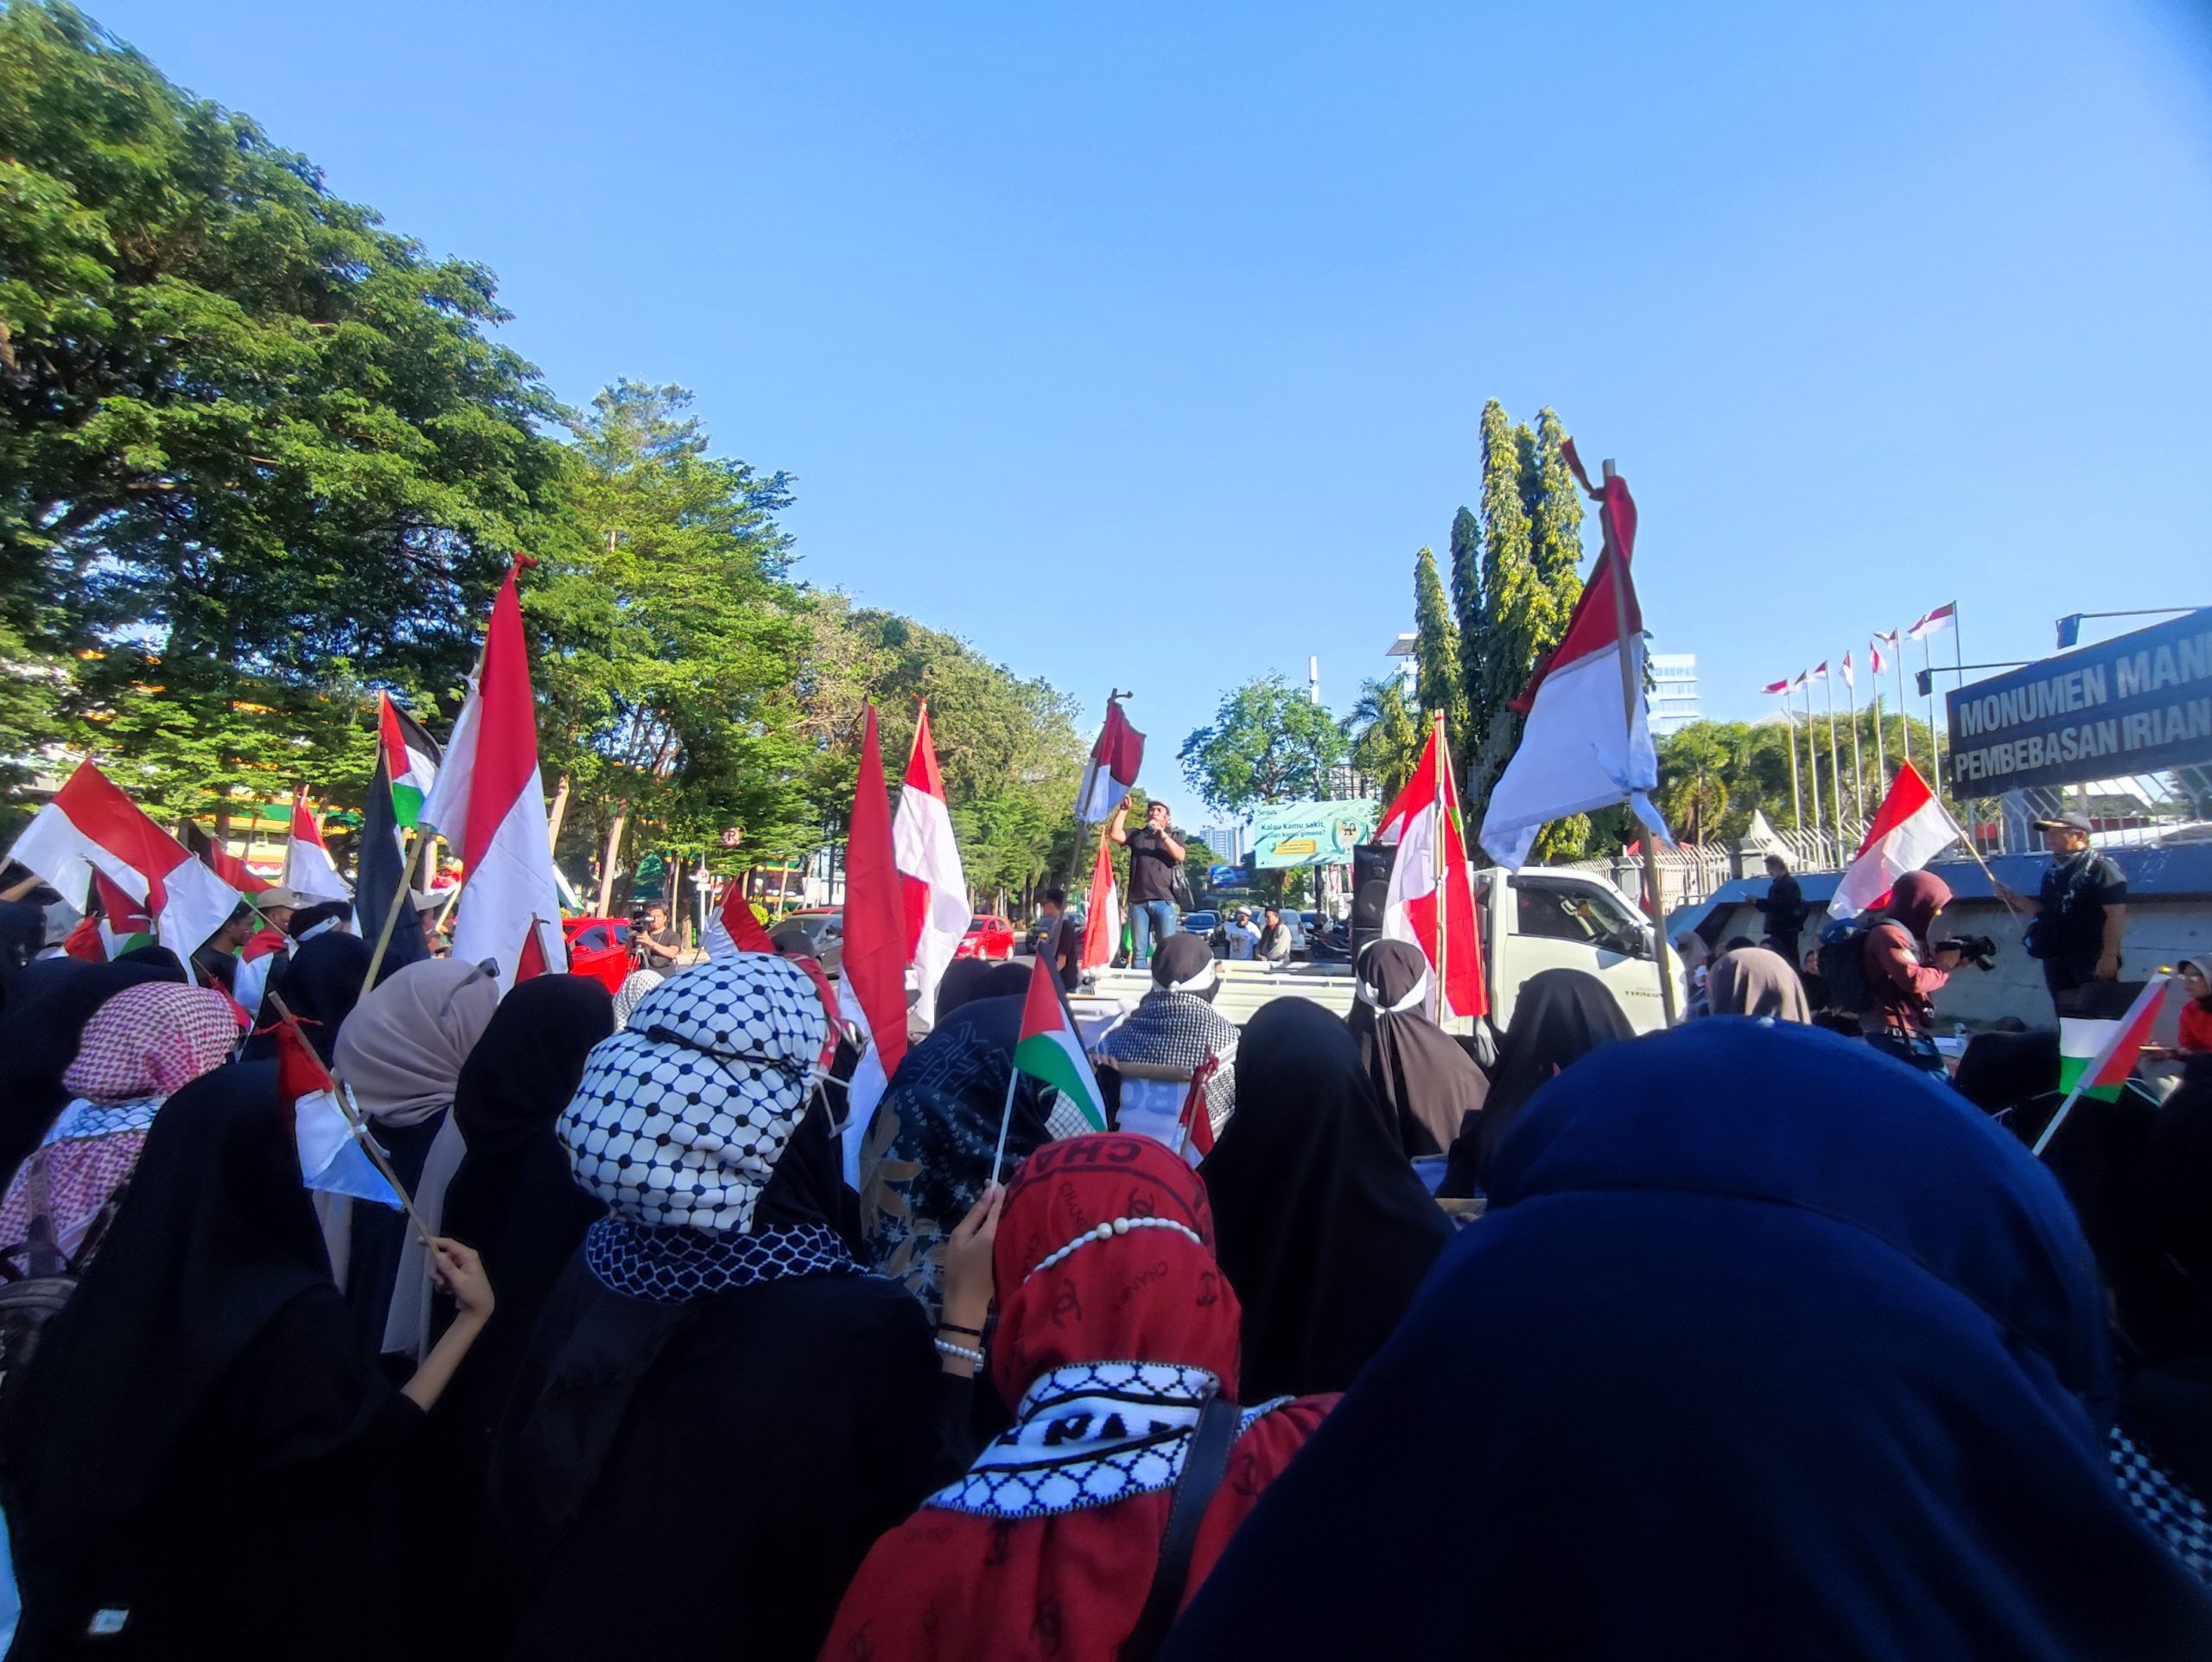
(150, 1040)
(683, 1119)
(635, 986)
(1175, 1025)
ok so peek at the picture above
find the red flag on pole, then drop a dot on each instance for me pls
(873, 989)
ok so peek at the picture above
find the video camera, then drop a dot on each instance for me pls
(1977, 950)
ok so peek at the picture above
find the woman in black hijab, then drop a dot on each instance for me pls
(1323, 1228)
(320, 983)
(1430, 1089)
(513, 1199)
(1560, 1016)
(192, 1467)
(48, 1008)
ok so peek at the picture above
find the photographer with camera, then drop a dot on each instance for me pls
(2081, 915)
(1882, 967)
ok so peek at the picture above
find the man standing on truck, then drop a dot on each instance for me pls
(2081, 915)
(1154, 856)
(1784, 906)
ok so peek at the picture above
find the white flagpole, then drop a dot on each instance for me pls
(1881, 765)
(1905, 708)
(1835, 771)
(1796, 803)
(1813, 765)
(1858, 792)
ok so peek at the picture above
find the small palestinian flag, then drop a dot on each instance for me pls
(410, 758)
(1049, 1050)
(2096, 1057)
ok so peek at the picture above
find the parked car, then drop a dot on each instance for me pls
(825, 928)
(599, 948)
(987, 936)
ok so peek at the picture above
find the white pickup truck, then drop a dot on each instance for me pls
(1530, 921)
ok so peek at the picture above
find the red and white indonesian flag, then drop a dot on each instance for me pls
(1585, 745)
(1935, 623)
(1874, 650)
(1818, 673)
(1102, 917)
(1430, 900)
(1112, 769)
(872, 975)
(1781, 686)
(734, 928)
(935, 890)
(91, 826)
(310, 872)
(1849, 679)
(489, 802)
(1909, 829)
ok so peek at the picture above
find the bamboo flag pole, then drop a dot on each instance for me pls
(1631, 692)
(399, 897)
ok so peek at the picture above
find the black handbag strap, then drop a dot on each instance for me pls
(1204, 1467)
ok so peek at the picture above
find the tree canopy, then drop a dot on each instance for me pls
(1268, 742)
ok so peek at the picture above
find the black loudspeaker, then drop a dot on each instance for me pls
(1371, 889)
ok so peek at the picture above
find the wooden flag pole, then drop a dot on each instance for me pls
(1631, 692)
(392, 913)
(1006, 1119)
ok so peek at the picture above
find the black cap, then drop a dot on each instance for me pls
(2073, 822)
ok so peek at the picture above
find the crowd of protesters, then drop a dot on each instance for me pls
(1755, 1338)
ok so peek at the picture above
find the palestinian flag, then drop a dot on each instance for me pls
(2096, 1057)
(381, 861)
(1050, 1051)
(410, 758)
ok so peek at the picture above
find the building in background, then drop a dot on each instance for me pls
(1402, 649)
(1673, 691)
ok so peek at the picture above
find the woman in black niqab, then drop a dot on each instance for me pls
(1560, 1016)
(199, 1441)
(1323, 1228)
(320, 982)
(1430, 1089)
(513, 1199)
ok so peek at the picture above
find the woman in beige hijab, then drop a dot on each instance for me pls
(399, 1054)
(1751, 981)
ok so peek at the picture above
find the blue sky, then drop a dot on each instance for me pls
(1148, 348)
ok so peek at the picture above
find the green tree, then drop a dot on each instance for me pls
(254, 449)
(1474, 637)
(670, 644)
(1438, 683)
(1386, 734)
(1268, 742)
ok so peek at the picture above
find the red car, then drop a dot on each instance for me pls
(987, 937)
(598, 948)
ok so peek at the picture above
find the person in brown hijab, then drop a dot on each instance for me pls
(1751, 981)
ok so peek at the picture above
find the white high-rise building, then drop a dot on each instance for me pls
(1673, 691)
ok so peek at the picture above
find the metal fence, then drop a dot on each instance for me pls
(2152, 811)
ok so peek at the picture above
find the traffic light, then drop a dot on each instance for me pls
(2070, 631)
(1925, 680)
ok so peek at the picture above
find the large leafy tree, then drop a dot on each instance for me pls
(1268, 742)
(1438, 683)
(255, 450)
(671, 644)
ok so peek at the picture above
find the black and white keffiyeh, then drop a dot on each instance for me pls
(2174, 1513)
(682, 1116)
(675, 1265)
(1180, 1029)
(1088, 1435)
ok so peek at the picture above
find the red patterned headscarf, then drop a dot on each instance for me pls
(151, 1040)
(1115, 1325)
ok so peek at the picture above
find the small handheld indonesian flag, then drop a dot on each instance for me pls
(331, 1158)
(1112, 769)
(1195, 1139)
(1910, 828)
(1431, 900)
(309, 868)
(734, 928)
(933, 889)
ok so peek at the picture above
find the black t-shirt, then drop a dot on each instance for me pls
(2070, 927)
(1064, 950)
(1152, 867)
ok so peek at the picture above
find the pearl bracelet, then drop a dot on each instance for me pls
(1119, 1226)
(975, 1357)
